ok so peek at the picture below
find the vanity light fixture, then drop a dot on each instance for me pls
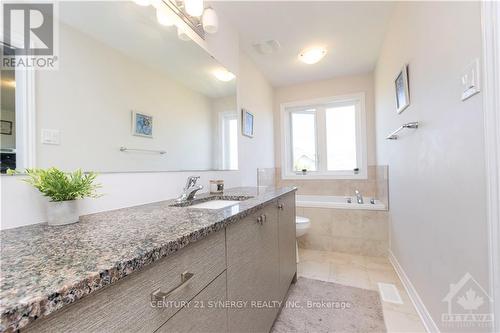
(223, 75)
(210, 21)
(312, 55)
(194, 7)
(164, 17)
(9, 83)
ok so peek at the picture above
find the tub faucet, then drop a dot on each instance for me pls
(359, 197)
(189, 191)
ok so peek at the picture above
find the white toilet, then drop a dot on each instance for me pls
(302, 225)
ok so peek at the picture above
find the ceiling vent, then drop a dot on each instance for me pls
(267, 47)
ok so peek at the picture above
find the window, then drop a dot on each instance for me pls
(324, 139)
(229, 140)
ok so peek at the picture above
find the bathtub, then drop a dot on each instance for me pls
(330, 201)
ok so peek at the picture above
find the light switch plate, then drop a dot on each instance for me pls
(51, 136)
(470, 80)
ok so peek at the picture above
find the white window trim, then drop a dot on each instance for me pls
(223, 116)
(286, 157)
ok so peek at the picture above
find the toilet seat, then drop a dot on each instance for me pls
(301, 220)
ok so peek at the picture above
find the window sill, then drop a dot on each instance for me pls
(360, 176)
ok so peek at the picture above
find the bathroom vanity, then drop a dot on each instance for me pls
(154, 268)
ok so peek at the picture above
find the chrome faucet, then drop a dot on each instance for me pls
(359, 197)
(189, 191)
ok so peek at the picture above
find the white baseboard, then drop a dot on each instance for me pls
(425, 316)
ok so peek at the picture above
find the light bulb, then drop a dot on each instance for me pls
(210, 21)
(164, 17)
(194, 7)
(223, 75)
(312, 55)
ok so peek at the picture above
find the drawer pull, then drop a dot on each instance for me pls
(159, 295)
(261, 219)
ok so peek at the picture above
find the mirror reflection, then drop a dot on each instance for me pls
(128, 95)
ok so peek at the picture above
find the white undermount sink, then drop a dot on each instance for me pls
(215, 204)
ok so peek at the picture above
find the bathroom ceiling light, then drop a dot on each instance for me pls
(223, 75)
(164, 16)
(312, 55)
(194, 7)
(210, 21)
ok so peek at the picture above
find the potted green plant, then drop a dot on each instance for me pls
(64, 190)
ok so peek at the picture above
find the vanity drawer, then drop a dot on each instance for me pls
(126, 305)
(204, 314)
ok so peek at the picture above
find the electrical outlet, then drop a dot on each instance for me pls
(470, 80)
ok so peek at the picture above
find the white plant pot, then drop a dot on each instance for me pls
(62, 212)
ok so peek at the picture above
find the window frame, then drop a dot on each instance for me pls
(321, 147)
(224, 117)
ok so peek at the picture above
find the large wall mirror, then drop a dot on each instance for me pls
(128, 95)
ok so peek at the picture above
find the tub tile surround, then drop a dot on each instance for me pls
(375, 186)
(346, 230)
(45, 268)
(351, 231)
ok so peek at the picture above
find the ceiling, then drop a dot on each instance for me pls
(352, 32)
(134, 31)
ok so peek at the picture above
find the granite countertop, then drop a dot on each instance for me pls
(46, 267)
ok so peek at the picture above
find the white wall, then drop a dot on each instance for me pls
(436, 173)
(22, 205)
(343, 85)
(256, 95)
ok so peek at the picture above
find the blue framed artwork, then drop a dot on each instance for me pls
(142, 124)
(247, 121)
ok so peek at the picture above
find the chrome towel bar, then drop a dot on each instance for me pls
(394, 136)
(161, 152)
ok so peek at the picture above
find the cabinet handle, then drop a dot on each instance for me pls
(261, 219)
(159, 295)
(281, 206)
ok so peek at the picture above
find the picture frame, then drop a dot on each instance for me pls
(6, 127)
(142, 124)
(247, 123)
(402, 89)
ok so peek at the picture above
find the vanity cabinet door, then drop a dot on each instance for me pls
(287, 239)
(205, 313)
(253, 271)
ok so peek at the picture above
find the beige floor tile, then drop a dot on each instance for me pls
(350, 275)
(362, 272)
(402, 322)
(385, 276)
(338, 258)
(313, 270)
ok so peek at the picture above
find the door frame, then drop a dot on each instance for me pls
(25, 111)
(490, 21)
